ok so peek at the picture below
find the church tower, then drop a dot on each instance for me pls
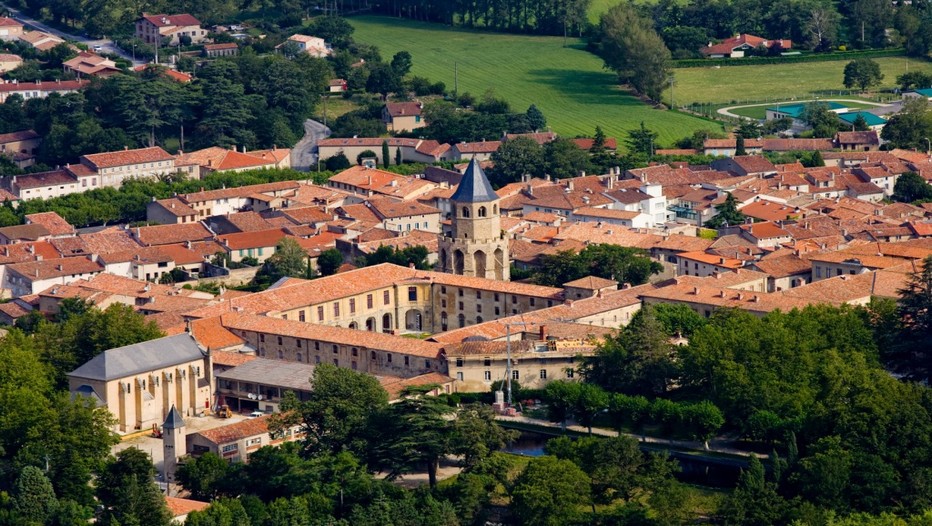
(174, 444)
(476, 246)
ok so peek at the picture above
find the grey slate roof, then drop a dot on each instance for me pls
(278, 373)
(474, 187)
(140, 357)
(173, 420)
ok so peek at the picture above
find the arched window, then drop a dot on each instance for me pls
(482, 212)
(465, 211)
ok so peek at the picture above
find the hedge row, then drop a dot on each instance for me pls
(791, 59)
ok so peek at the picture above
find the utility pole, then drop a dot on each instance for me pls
(508, 360)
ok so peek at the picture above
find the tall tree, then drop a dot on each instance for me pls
(516, 158)
(728, 213)
(642, 141)
(549, 492)
(629, 46)
(863, 73)
(916, 312)
(128, 493)
(329, 261)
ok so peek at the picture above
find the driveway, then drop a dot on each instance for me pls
(107, 46)
(304, 154)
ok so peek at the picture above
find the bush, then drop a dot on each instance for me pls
(337, 163)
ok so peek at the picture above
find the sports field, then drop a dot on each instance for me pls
(738, 84)
(568, 84)
(760, 112)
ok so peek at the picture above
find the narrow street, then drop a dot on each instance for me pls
(304, 153)
(106, 45)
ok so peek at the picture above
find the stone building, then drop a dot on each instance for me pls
(476, 246)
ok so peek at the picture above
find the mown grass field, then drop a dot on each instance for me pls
(568, 84)
(739, 84)
(597, 7)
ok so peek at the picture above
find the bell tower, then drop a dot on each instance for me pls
(476, 246)
(174, 445)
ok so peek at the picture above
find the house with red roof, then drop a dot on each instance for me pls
(10, 29)
(737, 46)
(169, 30)
(403, 116)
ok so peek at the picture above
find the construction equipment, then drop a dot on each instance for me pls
(224, 412)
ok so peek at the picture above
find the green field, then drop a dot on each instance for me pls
(568, 84)
(739, 84)
(760, 112)
(597, 7)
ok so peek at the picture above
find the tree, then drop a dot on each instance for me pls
(128, 493)
(401, 63)
(824, 122)
(201, 475)
(329, 261)
(915, 360)
(860, 123)
(419, 433)
(563, 159)
(382, 80)
(386, 159)
(405, 257)
(754, 501)
(911, 187)
(623, 264)
(549, 492)
(289, 261)
(337, 412)
(598, 141)
(642, 141)
(728, 214)
(914, 80)
(863, 73)
(516, 158)
(822, 26)
(911, 126)
(739, 146)
(337, 163)
(34, 499)
(589, 402)
(476, 435)
(629, 46)
(535, 118)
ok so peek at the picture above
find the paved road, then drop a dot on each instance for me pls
(304, 154)
(727, 111)
(715, 446)
(106, 45)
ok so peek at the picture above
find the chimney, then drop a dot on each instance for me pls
(543, 332)
(569, 185)
(740, 296)
(696, 291)
(721, 261)
(59, 267)
(756, 299)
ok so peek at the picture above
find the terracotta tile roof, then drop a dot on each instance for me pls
(180, 507)
(106, 241)
(765, 230)
(27, 251)
(391, 209)
(161, 21)
(606, 213)
(275, 154)
(248, 323)
(217, 47)
(177, 207)
(172, 234)
(381, 182)
(211, 334)
(54, 223)
(542, 217)
(145, 255)
(240, 191)
(230, 359)
(247, 221)
(710, 259)
(591, 283)
(858, 137)
(127, 157)
(307, 215)
(180, 254)
(765, 210)
(5, 21)
(221, 159)
(403, 109)
(24, 232)
(257, 239)
(784, 266)
(676, 151)
(432, 148)
(787, 145)
(359, 212)
(238, 431)
(44, 179)
(754, 163)
(55, 268)
(22, 135)
(541, 138)
(369, 142)
(706, 292)
(610, 144)
(477, 147)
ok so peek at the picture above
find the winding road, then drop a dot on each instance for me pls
(304, 153)
(727, 111)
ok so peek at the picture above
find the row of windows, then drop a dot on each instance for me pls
(336, 350)
(515, 375)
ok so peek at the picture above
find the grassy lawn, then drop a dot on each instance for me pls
(568, 84)
(760, 112)
(776, 82)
